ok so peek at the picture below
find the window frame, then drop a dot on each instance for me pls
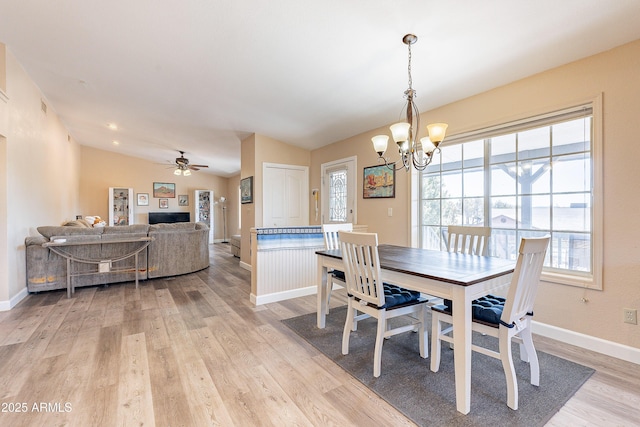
(591, 280)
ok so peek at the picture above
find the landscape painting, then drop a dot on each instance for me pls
(164, 189)
(379, 182)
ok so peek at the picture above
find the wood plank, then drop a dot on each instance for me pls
(135, 403)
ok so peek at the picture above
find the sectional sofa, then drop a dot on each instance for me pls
(176, 249)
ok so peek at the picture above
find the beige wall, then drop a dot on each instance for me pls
(103, 169)
(233, 203)
(371, 212)
(256, 150)
(248, 214)
(40, 174)
(3, 67)
(614, 74)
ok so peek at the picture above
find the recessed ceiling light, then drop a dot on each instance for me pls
(116, 142)
(112, 126)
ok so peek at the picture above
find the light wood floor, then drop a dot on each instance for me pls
(193, 351)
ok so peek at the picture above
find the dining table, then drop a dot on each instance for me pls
(458, 277)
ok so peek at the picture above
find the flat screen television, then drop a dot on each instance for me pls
(169, 217)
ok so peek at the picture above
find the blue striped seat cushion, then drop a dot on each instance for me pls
(485, 309)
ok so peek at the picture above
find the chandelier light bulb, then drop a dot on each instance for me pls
(380, 143)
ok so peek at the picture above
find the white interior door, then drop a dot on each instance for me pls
(285, 195)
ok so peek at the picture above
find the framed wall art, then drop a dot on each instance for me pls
(246, 190)
(164, 189)
(379, 182)
(143, 199)
(183, 200)
(163, 203)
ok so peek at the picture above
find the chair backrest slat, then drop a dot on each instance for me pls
(468, 240)
(526, 277)
(362, 266)
(330, 232)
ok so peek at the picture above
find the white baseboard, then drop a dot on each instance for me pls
(609, 348)
(281, 296)
(8, 305)
(245, 265)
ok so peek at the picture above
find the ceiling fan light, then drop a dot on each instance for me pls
(177, 171)
(187, 172)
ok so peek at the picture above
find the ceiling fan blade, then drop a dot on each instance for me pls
(193, 168)
(200, 166)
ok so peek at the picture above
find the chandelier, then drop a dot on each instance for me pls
(418, 153)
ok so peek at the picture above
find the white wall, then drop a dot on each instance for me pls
(41, 168)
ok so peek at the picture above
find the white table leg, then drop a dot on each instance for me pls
(462, 347)
(321, 294)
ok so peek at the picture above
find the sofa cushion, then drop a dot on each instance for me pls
(127, 229)
(57, 230)
(78, 223)
(170, 228)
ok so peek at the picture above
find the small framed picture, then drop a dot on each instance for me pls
(183, 200)
(164, 189)
(379, 182)
(246, 190)
(143, 199)
(163, 203)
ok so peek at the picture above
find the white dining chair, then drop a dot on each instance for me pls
(332, 241)
(468, 240)
(504, 318)
(369, 297)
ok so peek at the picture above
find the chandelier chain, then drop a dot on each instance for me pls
(409, 68)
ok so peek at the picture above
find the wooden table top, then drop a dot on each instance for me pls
(455, 268)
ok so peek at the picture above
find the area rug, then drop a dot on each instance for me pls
(428, 398)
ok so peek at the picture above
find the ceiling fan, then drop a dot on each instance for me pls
(183, 167)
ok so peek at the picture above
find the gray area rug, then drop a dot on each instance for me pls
(428, 398)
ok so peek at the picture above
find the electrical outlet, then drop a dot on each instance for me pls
(631, 316)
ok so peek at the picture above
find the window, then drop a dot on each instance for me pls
(531, 178)
(337, 195)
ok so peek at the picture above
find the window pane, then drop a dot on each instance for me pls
(572, 173)
(451, 212)
(473, 182)
(571, 251)
(572, 137)
(503, 244)
(473, 153)
(503, 181)
(503, 148)
(503, 212)
(534, 177)
(452, 157)
(338, 196)
(473, 210)
(534, 143)
(452, 184)
(431, 212)
(534, 213)
(432, 238)
(572, 212)
(431, 186)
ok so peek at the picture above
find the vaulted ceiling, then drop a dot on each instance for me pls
(201, 75)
